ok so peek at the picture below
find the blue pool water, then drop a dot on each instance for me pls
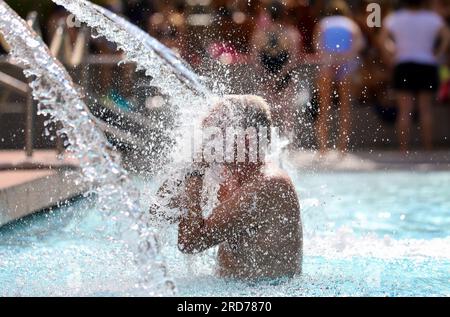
(366, 234)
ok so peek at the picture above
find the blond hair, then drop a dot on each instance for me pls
(242, 117)
(241, 111)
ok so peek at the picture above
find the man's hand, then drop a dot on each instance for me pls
(191, 224)
(167, 197)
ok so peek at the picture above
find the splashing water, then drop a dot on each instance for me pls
(100, 169)
(191, 101)
(185, 75)
(190, 98)
(174, 80)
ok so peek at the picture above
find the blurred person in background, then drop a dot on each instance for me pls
(226, 42)
(443, 8)
(372, 84)
(415, 40)
(305, 15)
(261, 15)
(246, 18)
(235, 23)
(276, 48)
(118, 92)
(58, 15)
(338, 41)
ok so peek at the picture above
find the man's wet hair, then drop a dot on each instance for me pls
(241, 111)
(243, 116)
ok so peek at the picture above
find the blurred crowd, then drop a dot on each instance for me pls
(355, 62)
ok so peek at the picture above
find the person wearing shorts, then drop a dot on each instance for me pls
(410, 37)
(338, 40)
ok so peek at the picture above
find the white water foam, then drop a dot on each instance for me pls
(101, 172)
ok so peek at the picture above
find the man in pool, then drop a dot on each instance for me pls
(257, 222)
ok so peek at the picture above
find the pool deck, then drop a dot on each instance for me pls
(371, 161)
(28, 185)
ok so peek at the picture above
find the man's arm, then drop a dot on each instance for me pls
(387, 45)
(197, 234)
(444, 35)
(386, 41)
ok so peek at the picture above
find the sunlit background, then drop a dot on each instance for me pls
(375, 204)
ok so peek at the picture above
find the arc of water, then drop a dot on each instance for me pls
(190, 98)
(184, 73)
(59, 99)
(171, 76)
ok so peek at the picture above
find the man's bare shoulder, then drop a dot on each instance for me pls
(278, 191)
(276, 178)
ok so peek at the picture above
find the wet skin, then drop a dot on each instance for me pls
(257, 224)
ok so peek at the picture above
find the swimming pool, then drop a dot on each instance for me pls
(366, 234)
